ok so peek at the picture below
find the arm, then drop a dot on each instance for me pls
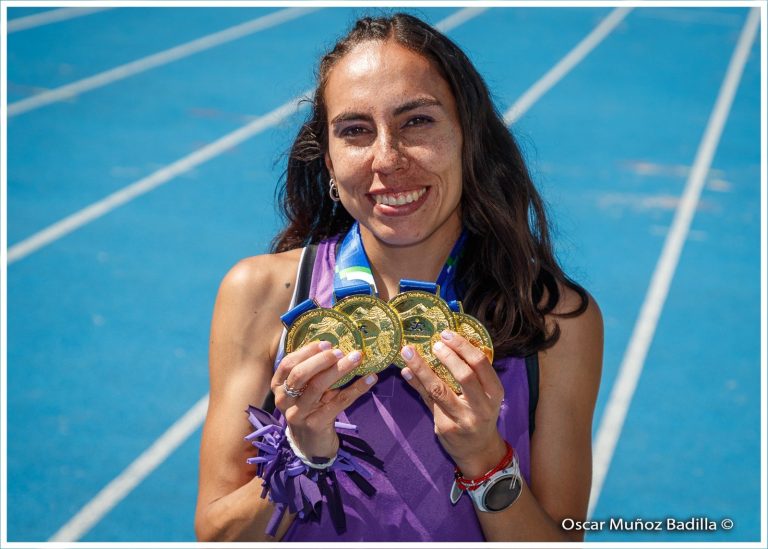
(561, 447)
(561, 461)
(245, 334)
(244, 337)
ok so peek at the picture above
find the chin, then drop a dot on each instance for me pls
(397, 236)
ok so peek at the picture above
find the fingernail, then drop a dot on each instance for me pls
(438, 346)
(370, 379)
(407, 375)
(325, 345)
(407, 353)
(338, 353)
(446, 334)
(354, 356)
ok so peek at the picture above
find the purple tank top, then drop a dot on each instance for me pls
(412, 500)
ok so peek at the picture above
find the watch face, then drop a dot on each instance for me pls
(502, 493)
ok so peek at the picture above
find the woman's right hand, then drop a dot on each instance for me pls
(312, 369)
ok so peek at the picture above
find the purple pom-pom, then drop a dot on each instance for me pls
(294, 486)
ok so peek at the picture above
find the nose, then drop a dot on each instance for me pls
(387, 156)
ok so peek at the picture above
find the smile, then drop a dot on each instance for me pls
(399, 199)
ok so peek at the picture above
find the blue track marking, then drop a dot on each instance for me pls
(53, 55)
(173, 493)
(621, 189)
(695, 420)
(97, 318)
(607, 157)
(108, 326)
(177, 107)
(518, 60)
(16, 13)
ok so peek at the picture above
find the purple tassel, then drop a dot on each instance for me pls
(292, 485)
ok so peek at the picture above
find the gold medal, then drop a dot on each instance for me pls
(380, 329)
(324, 325)
(425, 315)
(473, 331)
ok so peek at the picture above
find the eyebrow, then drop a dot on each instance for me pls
(347, 116)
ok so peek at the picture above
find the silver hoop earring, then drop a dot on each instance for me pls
(333, 191)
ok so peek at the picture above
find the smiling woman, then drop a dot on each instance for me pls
(394, 147)
(404, 170)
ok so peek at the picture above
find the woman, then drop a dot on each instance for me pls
(405, 152)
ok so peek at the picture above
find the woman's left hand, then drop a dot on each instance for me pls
(465, 424)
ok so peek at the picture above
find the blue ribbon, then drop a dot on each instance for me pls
(455, 305)
(362, 288)
(353, 267)
(298, 310)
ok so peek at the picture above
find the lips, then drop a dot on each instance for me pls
(401, 203)
(399, 198)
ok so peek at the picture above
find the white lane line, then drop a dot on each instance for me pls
(98, 209)
(147, 462)
(632, 365)
(458, 18)
(48, 17)
(564, 66)
(126, 194)
(125, 482)
(155, 60)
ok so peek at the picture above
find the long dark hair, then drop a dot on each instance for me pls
(508, 263)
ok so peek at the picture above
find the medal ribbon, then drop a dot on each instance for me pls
(353, 267)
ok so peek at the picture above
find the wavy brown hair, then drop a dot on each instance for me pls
(508, 266)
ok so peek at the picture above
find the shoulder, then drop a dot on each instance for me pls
(264, 280)
(252, 296)
(586, 327)
(576, 358)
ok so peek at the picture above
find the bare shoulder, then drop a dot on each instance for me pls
(577, 354)
(251, 298)
(263, 277)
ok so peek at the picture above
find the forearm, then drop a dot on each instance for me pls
(241, 515)
(525, 520)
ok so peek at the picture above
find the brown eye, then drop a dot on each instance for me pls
(352, 131)
(418, 121)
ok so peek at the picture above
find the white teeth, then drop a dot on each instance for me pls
(400, 198)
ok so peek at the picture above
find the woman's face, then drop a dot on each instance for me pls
(394, 144)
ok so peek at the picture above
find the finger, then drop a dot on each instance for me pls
(347, 396)
(291, 360)
(301, 354)
(435, 390)
(321, 382)
(303, 372)
(476, 360)
(300, 375)
(470, 384)
(418, 386)
(328, 396)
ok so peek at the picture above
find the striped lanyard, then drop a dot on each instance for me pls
(353, 267)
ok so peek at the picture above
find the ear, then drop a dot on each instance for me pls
(329, 164)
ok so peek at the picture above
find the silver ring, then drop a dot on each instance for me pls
(291, 392)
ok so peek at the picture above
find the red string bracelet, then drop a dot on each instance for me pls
(475, 483)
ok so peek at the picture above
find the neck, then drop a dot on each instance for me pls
(421, 261)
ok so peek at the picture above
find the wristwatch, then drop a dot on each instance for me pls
(497, 493)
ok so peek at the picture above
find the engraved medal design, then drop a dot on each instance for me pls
(425, 315)
(381, 331)
(324, 325)
(473, 331)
